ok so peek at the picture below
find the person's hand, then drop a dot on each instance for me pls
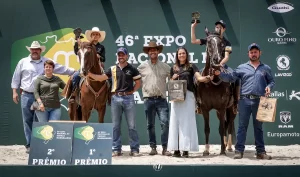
(98, 56)
(217, 72)
(175, 76)
(208, 78)
(194, 24)
(16, 97)
(268, 91)
(78, 40)
(42, 107)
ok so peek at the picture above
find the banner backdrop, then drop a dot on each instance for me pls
(132, 24)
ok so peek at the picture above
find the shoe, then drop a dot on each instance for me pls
(165, 152)
(153, 151)
(238, 155)
(176, 154)
(263, 156)
(134, 153)
(185, 154)
(27, 150)
(116, 153)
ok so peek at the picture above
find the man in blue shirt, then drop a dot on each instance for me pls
(256, 80)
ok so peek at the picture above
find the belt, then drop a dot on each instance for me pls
(153, 97)
(251, 96)
(122, 93)
(27, 92)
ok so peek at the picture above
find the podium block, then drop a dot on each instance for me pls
(92, 144)
(51, 143)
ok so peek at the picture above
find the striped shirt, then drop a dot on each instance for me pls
(28, 70)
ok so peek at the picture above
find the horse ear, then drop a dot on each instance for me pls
(206, 31)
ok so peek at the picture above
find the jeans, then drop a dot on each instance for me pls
(126, 104)
(48, 114)
(27, 115)
(76, 79)
(161, 107)
(247, 107)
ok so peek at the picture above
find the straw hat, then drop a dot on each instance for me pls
(95, 30)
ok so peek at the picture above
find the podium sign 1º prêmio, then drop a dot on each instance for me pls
(92, 144)
(51, 143)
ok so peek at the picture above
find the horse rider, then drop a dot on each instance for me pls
(220, 26)
(27, 70)
(96, 37)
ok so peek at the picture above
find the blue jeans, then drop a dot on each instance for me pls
(48, 114)
(126, 104)
(76, 79)
(161, 107)
(27, 115)
(247, 107)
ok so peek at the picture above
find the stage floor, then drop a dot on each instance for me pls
(282, 155)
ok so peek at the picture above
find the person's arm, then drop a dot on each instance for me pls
(228, 51)
(16, 81)
(102, 77)
(102, 54)
(202, 78)
(62, 84)
(37, 88)
(61, 69)
(270, 79)
(137, 80)
(230, 77)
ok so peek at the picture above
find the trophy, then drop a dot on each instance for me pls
(77, 33)
(195, 17)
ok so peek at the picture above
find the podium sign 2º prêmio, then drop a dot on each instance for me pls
(51, 143)
(92, 144)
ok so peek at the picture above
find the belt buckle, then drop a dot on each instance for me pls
(252, 97)
(119, 94)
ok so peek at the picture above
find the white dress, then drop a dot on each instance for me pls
(183, 134)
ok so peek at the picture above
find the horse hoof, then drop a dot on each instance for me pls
(205, 153)
(230, 150)
(223, 153)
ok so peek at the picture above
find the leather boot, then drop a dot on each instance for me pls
(165, 152)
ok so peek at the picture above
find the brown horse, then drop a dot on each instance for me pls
(93, 94)
(216, 94)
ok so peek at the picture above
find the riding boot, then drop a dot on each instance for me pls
(236, 96)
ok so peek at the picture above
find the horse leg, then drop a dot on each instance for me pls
(221, 116)
(230, 114)
(72, 111)
(101, 114)
(207, 131)
(78, 112)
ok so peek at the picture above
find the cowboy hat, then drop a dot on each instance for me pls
(152, 44)
(95, 30)
(36, 45)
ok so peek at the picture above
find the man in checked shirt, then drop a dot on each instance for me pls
(256, 80)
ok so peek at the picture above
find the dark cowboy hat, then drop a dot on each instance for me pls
(152, 44)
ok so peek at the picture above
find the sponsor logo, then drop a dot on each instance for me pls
(283, 135)
(294, 94)
(85, 133)
(45, 133)
(277, 94)
(285, 117)
(283, 64)
(281, 7)
(281, 37)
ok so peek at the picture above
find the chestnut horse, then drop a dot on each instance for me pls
(216, 94)
(93, 94)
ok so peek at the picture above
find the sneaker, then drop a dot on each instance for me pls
(263, 156)
(153, 151)
(185, 154)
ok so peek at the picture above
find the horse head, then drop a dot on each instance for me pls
(214, 48)
(88, 59)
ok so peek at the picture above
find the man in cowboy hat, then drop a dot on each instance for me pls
(27, 70)
(95, 36)
(220, 26)
(154, 74)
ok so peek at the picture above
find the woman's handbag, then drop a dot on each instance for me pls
(35, 106)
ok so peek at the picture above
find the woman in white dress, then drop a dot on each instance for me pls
(183, 134)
